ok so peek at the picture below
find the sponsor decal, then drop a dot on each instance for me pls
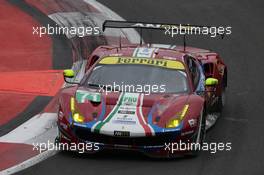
(121, 133)
(125, 112)
(156, 62)
(144, 52)
(124, 122)
(125, 119)
(130, 101)
(192, 122)
(125, 116)
(170, 64)
(85, 96)
(187, 132)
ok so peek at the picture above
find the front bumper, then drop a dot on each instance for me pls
(153, 146)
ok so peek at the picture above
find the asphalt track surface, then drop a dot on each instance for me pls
(61, 47)
(242, 121)
(61, 50)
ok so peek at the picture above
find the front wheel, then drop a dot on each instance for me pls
(200, 136)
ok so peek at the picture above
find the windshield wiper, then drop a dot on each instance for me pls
(94, 85)
(105, 87)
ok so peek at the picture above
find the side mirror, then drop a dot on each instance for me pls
(68, 73)
(211, 82)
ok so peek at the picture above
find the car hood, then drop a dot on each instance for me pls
(135, 113)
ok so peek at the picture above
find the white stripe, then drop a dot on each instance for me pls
(140, 107)
(141, 114)
(119, 98)
(92, 129)
(116, 122)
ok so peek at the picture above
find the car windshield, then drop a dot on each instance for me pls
(137, 78)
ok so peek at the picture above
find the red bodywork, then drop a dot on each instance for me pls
(161, 107)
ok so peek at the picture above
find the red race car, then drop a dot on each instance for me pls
(147, 97)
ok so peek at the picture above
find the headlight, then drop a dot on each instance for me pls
(174, 122)
(78, 118)
(72, 103)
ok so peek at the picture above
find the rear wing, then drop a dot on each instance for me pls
(168, 28)
(146, 25)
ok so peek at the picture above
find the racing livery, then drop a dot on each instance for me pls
(143, 97)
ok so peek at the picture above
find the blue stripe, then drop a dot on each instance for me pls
(158, 130)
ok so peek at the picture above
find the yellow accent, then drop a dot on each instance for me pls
(72, 103)
(68, 73)
(170, 64)
(174, 122)
(78, 118)
(211, 82)
(184, 111)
